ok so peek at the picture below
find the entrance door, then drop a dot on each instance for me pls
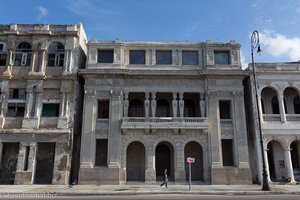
(44, 163)
(9, 162)
(193, 149)
(135, 162)
(164, 160)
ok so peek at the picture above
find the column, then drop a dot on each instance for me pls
(66, 61)
(114, 135)
(125, 104)
(43, 61)
(4, 97)
(147, 104)
(202, 104)
(241, 144)
(281, 108)
(32, 160)
(181, 104)
(33, 61)
(150, 173)
(63, 104)
(289, 165)
(39, 104)
(9, 62)
(29, 103)
(180, 162)
(153, 104)
(267, 165)
(88, 130)
(175, 104)
(260, 109)
(214, 130)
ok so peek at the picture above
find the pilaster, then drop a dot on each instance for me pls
(181, 104)
(147, 104)
(175, 104)
(153, 104)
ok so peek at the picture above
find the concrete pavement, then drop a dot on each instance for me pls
(145, 189)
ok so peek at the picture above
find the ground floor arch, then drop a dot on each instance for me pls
(135, 162)
(276, 161)
(164, 159)
(194, 149)
(295, 157)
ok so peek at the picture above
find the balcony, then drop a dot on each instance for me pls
(271, 117)
(164, 123)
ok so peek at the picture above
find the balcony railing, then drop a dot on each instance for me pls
(271, 117)
(164, 123)
(292, 117)
(226, 122)
(102, 124)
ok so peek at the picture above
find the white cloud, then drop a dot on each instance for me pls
(243, 61)
(278, 45)
(43, 12)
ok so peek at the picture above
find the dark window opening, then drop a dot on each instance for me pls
(137, 57)
(15, 110)
(275, 105)
(190, 57)
(17, 94)
(22, 56)
(295, 155)
(50, 110)
(189, 108)
(9, 160)
(163, 57)
(227, 152)
(106, 56)
(3, 59)
(103, 109)
(221, 57)
(26, 159)
(225, 112)
(136, 108)
(296, 102)
(162, 108)
(56, 55)
(101, 152)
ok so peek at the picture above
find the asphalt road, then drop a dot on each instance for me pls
(169, 197)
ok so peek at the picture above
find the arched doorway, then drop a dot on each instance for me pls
(277, 169)
(135, 162)
(295, 156)
(193, 149)
(164, 159)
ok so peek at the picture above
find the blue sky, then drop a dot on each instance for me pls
(278, 21)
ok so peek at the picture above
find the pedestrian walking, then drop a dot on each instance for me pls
(165, 179)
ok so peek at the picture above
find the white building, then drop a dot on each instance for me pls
(279, 108)
(150, 105)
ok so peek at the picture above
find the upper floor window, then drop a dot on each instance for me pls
(3, 54)
(22, 55)
(224, 107)
(103, 109)
(190, 57)
(163, 57)
(56, 54)
(221, 57)
(17, 94)
(50, 110)
(105, 55)
(15, 109)
(136, 57)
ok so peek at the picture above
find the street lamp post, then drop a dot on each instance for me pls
(255, 44)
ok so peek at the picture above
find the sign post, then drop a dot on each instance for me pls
(190, 160)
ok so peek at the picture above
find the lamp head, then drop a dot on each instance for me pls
(259, 51)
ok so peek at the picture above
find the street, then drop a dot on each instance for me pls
(171, 197)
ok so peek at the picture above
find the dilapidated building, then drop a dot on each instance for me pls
(150, 105)
(40, 101)
(279, 109)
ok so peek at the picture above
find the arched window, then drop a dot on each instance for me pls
(296, 103)
(136, 108)
(56, 55)
(22, 56)
(275, 105)
(3, 54)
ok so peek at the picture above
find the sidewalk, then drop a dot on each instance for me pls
(144, 189)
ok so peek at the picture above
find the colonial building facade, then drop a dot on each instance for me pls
(39, 89)
(279, 109)
(150, 105)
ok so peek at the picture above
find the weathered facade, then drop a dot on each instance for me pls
(279, 109)
(40, 101)
(150, 105)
